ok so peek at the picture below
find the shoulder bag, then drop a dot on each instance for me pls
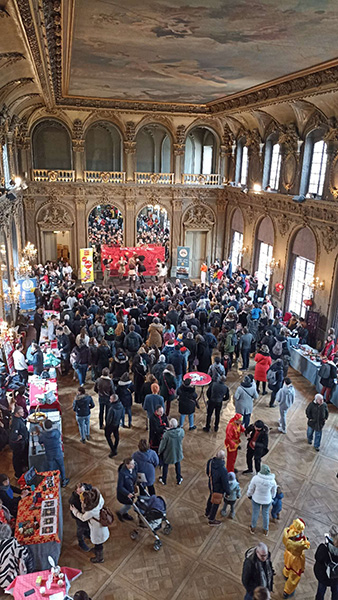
(216, 497)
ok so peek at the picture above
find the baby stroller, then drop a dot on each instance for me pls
(151, 511)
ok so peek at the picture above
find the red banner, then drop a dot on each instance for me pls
(150, 252)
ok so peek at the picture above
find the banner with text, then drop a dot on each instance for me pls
(150, 252)
(86, 265)
(183, 255)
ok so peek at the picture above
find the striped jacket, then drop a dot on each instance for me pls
(14, 560)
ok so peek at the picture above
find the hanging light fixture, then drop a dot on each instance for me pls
(13, 294)
(29, 251)
(24, 269)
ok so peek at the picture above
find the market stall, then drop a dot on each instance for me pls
(36, 452)
(38, 583)
(39, 520)
(43, 393)
(306, 360)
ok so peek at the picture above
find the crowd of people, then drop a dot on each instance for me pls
(153, 228)
(105, 227)
(142, 346)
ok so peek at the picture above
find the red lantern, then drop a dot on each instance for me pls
(279, 287)
(308, 302)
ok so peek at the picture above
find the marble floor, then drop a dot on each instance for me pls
(197, 561)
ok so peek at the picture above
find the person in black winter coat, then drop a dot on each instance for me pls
(176, 359)
(190, 343)
(119, 366)
(37, 360)
(104, 387)
(257, 570)
(158, 368)
(257, 447)
(328, 375)
(326, 553)
(82, 405)
(317, 414)
(103, 356)
(202, 354)
(114, 417)
(218, 483)
(18, 442)
(278, 369)
(124, 390)
(217, 393)
(7, 492)
(126, 487)
(158, 423)
(82, 527)
(139, 370)
(187, 401)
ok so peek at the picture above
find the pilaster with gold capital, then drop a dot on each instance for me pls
(179, 150)
(29, 219)
(129, 159)
(221, 205)
(176, 227)
(78, 159)
(129, 222)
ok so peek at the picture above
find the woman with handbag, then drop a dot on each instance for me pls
(326, 565)
(92, 502)
(218, 486)
(168, 387)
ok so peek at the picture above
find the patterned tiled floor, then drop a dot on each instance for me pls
(196, 561)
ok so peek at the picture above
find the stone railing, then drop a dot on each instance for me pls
(104, 177)
(154, 178)
(200, 179)
(53, 175)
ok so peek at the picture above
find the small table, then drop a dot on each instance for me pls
(24, 583)
(199, 379)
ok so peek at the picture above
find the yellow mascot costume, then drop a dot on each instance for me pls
(295, 543)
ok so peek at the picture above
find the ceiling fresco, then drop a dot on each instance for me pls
(170, 51)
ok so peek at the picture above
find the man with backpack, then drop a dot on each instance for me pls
(132, 342)
(216, 370)
(114, 417)
(275, 376)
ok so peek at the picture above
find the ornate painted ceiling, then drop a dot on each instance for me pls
(193, 52)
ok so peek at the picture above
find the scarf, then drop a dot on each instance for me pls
(265, 575)
(8, 490)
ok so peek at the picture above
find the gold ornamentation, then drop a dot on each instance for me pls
(199, 216)
(54, 216)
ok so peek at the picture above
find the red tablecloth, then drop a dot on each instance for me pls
(198, 378)
(26, 514)
(40, 387)
(24, 583)
(149, 251)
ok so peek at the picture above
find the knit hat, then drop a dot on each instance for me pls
(259, 424)
(187, 381)
(162, 358)
(265, 470)
(247, 380)
(231, 476)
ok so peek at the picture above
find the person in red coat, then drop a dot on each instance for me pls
(232, 440)
(329, 349)
(263, 362)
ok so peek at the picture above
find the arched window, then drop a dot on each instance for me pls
(272, 163)
(200, 152)
(153, 150)
(52, 148)
(242, 162)
(237, 228)
(302, 269)
(275, 167)
(103, 148)
(314, 164)
(264, 251)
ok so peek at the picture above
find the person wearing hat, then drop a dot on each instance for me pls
(232, 440)
(7, 492)
(261, 491)
(244, 396)
(187, 400)
(257, 447)
(295, 543)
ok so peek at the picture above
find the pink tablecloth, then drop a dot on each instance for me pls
(24, 583)
(36, 389)
(198, 378)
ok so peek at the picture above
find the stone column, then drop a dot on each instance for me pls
(129, 221)
(29, 214)
(179, 150)
(130, 160)
(254, 155)
(10, 149)
(220, 225)
(78, 159)
(176, 229)
(81, 228)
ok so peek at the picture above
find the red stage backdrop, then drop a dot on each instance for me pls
(150, 252)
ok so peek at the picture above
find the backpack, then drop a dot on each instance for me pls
(271, 377)
(277, 348)
(132, 343)
(106, 517)
(331, 567)
(234, 339)
(324, 371)
(216, 321)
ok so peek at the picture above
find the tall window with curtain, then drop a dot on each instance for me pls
(236, 248)
(244, 166)
(318, 168)
(265, 256)
(303, 272)
(275, 167)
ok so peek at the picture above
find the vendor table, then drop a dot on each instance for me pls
(24, 583)
(199, 379)
(38, 387)
(36, 452)
(310, 370)
(47, 544)
(292, 341)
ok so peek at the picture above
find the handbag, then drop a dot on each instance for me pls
(216, 497)
(171, 391)
(331, 568)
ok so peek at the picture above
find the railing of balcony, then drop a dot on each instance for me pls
(55, 175)
(201, 179)
(104, 177)
(154, 178)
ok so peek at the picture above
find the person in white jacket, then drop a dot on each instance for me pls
(92, 502)
(285, 398)
(262, 489)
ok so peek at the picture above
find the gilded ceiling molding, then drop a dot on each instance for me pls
(10, 58)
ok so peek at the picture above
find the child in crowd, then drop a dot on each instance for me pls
(235, 493)
(277, 505)
(124, 391)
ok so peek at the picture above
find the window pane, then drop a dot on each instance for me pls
(263, 271)
(236, 249)
(245, 164)
(318, 168)
(300, 287)
(275, 167)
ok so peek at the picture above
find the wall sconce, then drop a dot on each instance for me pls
(299, 146)
(13, 294)
(245, 250)
(317, 284)
(274, 264)
(257, 187)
